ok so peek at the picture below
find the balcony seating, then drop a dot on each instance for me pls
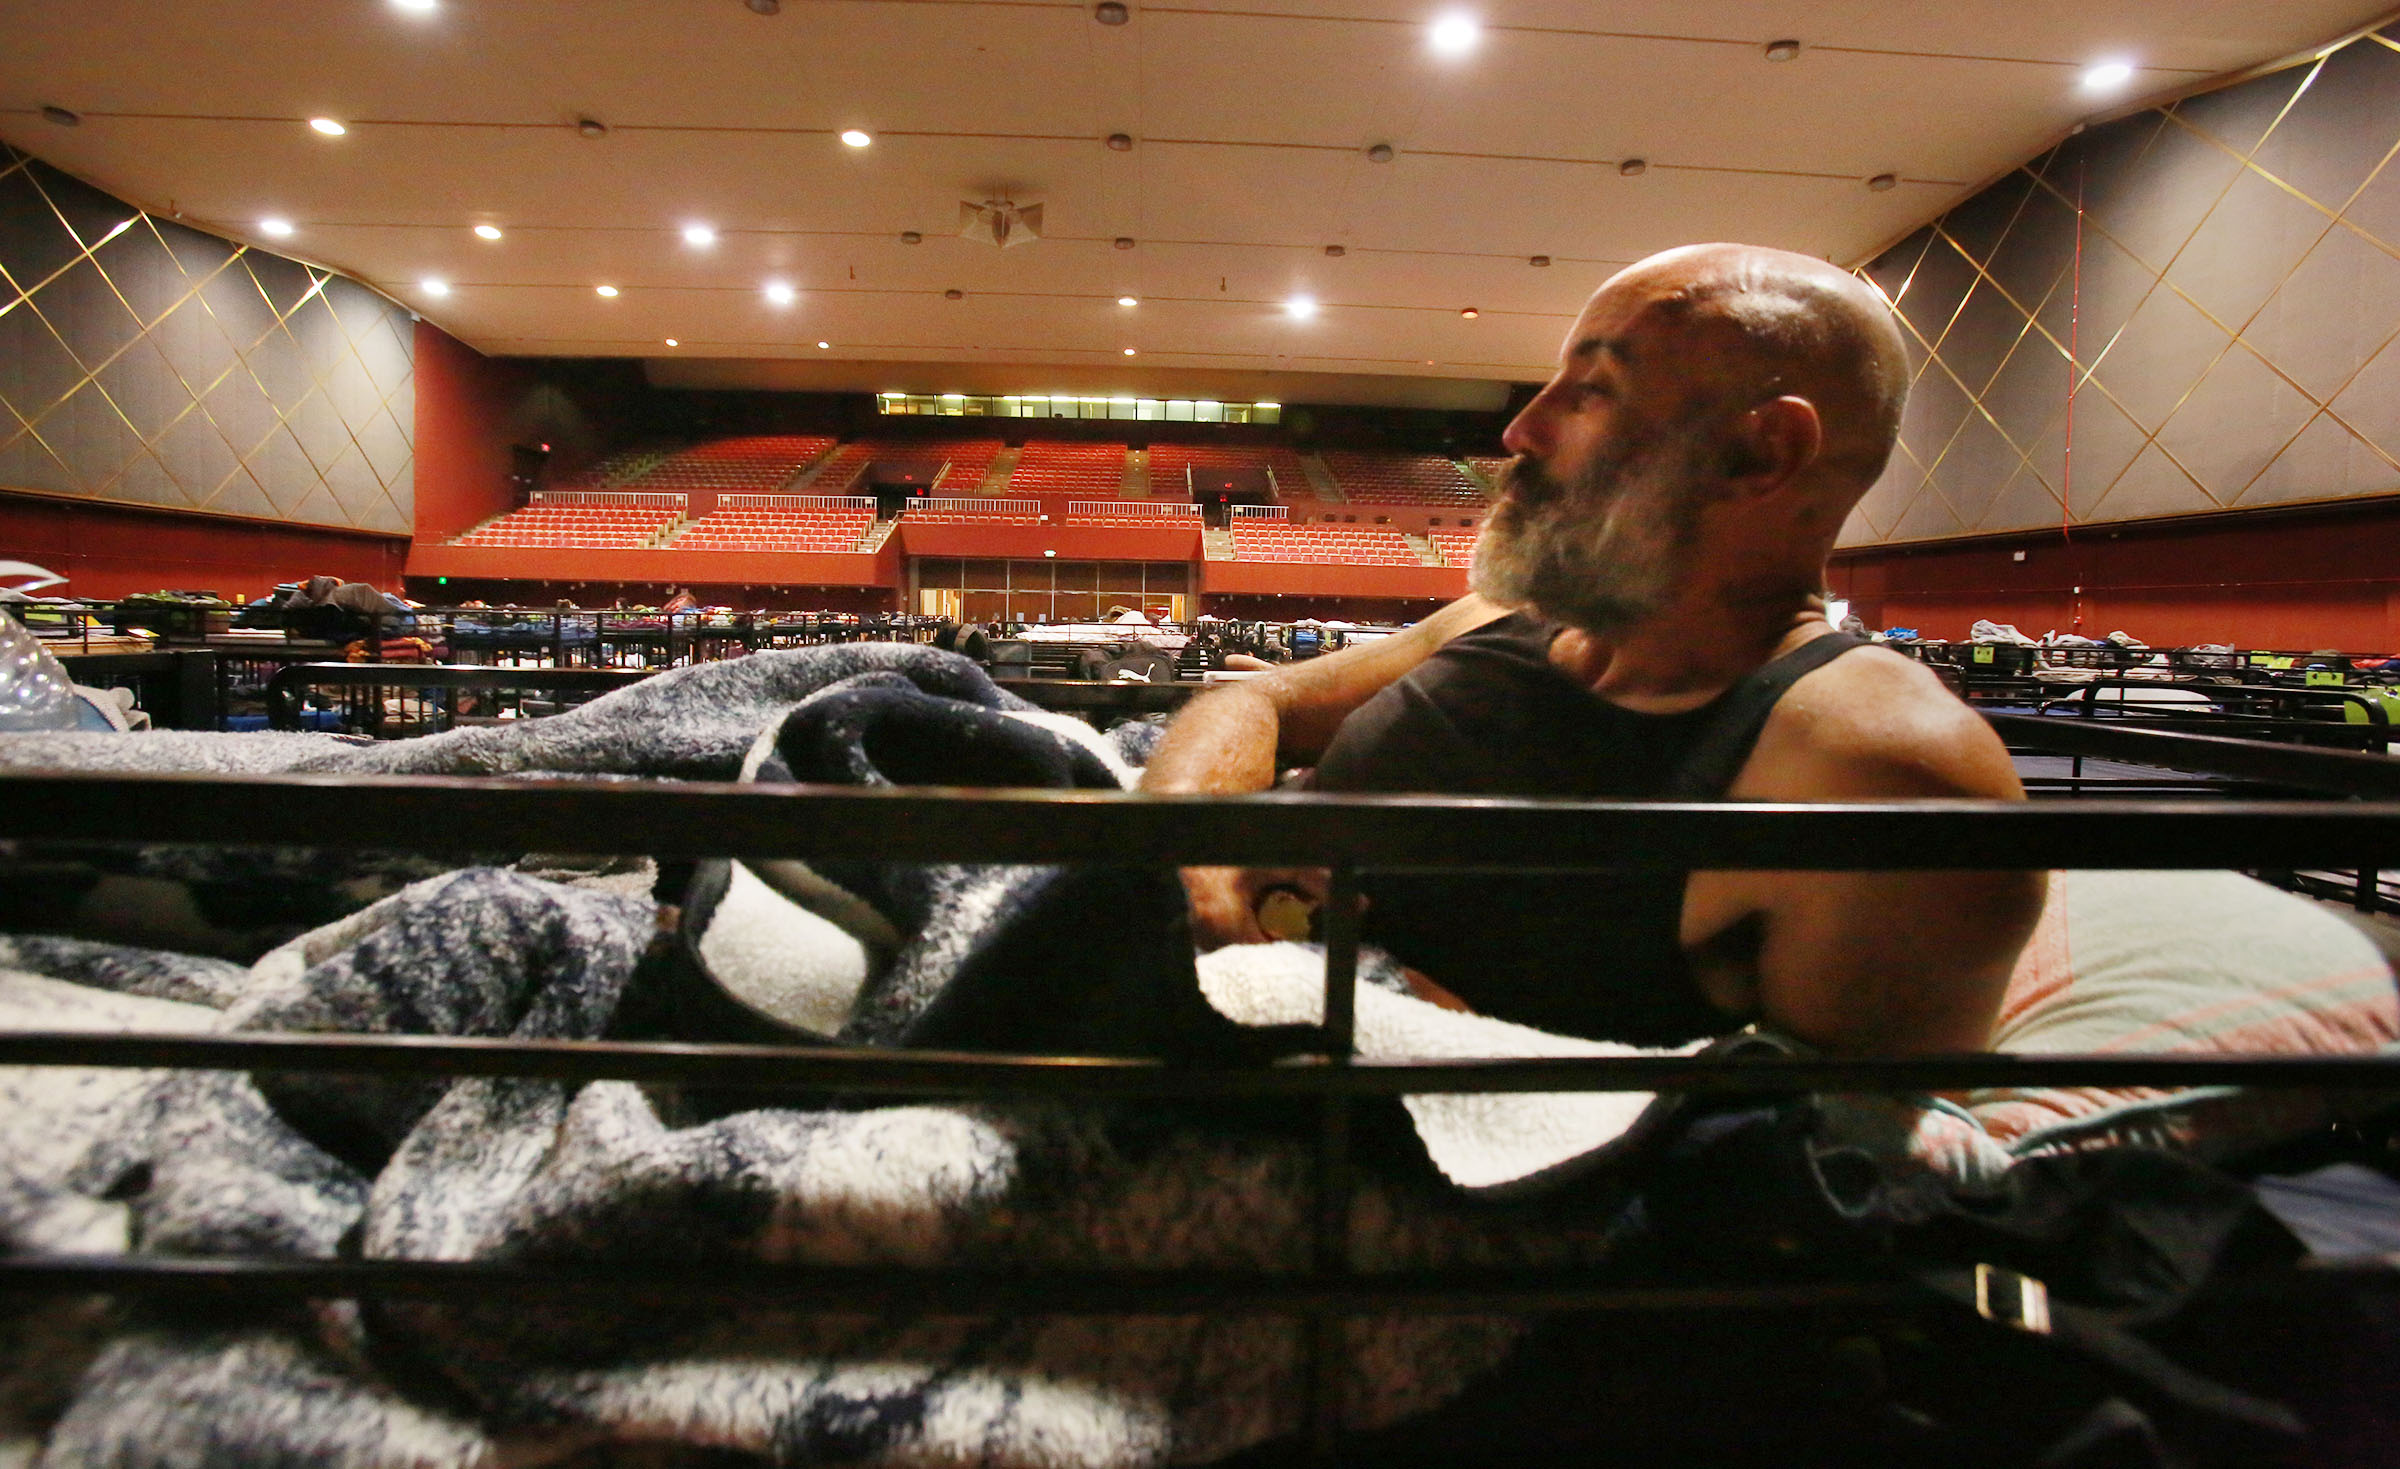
(752, 463)
(970, 460)
(817, 530)
(1457, 546)
(1401, 479)
(1133, 518)
(1169, 461)
(574, 527)
(1488, 467)
(915, 516)
(609, 471)
(1083, 471)
(1322, 545)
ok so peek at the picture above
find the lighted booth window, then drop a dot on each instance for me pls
(1051, 591)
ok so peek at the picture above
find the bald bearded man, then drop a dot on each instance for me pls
(1647, 620)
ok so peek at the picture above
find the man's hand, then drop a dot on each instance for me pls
(1233, 740)
(1227, 903)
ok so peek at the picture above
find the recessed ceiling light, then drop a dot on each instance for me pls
(781, 293)
(1884, 183)
(2106, 75)
(1120, 142)
(591, 127)
(954, 294)
(912, 237)
(1128, 301)
(1469, 312)
(1783, 50)
(487, 232)
(1336, 252)
(1111, 13)
(608, 291)
(824, 346)
(1538, 262)
(855, 138)
(765, 7)
(673, 343)
(435, 288)
(1129, 351)
(327, 126)
(1380, 153)
(1124, 242)
(416, 7)
(699, 236)
(1634, 168)
(63, 116)
(1301, 306)
(279, 228)
(1454, 35)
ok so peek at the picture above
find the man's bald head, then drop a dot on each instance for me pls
(1716, 413)
(1759, 322)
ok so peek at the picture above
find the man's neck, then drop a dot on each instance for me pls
(1692, 650)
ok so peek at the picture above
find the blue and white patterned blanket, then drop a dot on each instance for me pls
(1002, 958)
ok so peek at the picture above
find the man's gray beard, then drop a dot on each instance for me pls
(1604, 553)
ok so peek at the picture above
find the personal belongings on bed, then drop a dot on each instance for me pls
(1986, 631)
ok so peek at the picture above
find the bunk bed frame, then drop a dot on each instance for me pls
(1344, 834)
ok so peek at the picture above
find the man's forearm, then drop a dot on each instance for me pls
(1222, 743)
(1232, 740)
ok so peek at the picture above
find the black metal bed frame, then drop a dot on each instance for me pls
(1345, 834)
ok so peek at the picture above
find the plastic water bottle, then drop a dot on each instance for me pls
(35, 692)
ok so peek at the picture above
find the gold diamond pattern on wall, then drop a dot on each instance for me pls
(143, 362)
(2234, 314)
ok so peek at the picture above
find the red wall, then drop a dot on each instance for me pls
(1252, 608)
(1071, 542)
(655, 567)
(2319, 579)
(468, 412)
(777, 596)
(112, 550)
(1296, 578)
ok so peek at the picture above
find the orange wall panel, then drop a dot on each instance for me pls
(468, 411)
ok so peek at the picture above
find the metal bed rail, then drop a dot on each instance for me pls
(1347, 834)
(430, 689)
(2271, 766)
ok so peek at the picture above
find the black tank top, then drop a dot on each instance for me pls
(1595, 954)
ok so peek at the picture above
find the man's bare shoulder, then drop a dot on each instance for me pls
(1874, 723)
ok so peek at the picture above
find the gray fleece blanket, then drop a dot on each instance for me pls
(111, 1161)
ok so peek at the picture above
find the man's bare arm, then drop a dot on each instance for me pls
(1893, 962)
(1234, 739)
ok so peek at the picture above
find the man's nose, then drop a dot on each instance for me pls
(1529, 432)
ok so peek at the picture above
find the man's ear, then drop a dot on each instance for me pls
(1773, 442)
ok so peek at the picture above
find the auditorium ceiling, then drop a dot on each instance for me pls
(1249, 132)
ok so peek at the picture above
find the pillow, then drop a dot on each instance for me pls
(2192, 962)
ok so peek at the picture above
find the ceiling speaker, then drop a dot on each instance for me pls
(1001, 222)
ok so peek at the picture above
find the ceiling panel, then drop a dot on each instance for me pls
(1250, 128)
